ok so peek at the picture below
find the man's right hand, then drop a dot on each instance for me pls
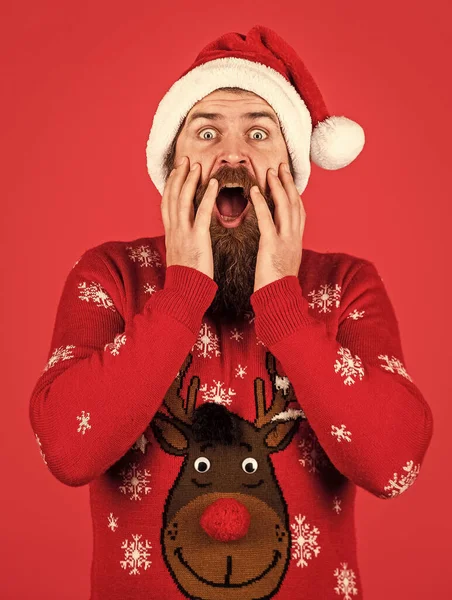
(187, 238)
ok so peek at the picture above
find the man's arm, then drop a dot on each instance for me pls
(368, 415)
(104, 379)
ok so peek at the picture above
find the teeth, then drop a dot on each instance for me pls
(230, 185)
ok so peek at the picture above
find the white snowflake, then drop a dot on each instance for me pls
(61, 353)
(40, 449)
(112, 522)
(349, 366)
(325, 297)
(397, 486)
(141, 443)
(216, 393)
(144, 255)
(134, 482)
(356, 314)
(394, 365)
(259, 342)
(207, 342)
(304, 541)
(84, 425)
(346, 583)
(340, 433)
(115, 345)
(337, 505)
(135, 555)
(236, 335)
(312, 454)
(95, 292)
(240, 371)
(149, 289)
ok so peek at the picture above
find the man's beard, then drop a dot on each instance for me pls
(234, 249)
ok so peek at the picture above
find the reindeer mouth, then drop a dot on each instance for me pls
(227, 583)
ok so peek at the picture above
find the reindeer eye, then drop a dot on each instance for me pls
(202, 464)
(249, 465)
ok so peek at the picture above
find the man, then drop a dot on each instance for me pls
(222, 388)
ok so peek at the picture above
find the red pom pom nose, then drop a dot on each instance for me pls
(225, 520)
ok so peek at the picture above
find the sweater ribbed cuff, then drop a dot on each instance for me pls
(186, 295)
(280, 309)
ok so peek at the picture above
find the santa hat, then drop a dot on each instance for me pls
(263, 63)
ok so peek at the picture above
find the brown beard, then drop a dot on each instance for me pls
(234, 249)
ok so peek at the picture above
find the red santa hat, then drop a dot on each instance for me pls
(263, 63)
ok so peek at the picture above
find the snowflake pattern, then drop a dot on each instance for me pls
(135, 555)
(144, 255)
(216, 393)
(236, 335)
(112, 522)
(337, 505)
(40, 448)
(325, 297)
(96, 293)
(346, 583)
(141, 443)
(312, 454)
(61, 353)
(207, 342)
(356, 314)
(304, 541)
(240, 371)
(394, 365)
(349, 366)
(149, 289)
(115, 345)
(134, 482)
(340, 433)
(84, 425)
(397, 486)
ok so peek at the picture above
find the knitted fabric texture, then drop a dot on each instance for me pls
(223, 462)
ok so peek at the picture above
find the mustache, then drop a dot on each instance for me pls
(238, 175)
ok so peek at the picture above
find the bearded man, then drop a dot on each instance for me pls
(223, 389)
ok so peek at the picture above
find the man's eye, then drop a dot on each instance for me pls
(209, 131)
(259, 131)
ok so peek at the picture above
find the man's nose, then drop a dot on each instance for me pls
(233, 152)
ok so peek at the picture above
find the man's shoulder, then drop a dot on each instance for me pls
(327, 261)
(148, 251)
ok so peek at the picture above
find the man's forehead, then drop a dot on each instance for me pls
(220, 101)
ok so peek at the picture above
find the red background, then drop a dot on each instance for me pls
(81, 84)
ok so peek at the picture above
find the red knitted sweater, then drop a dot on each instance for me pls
(223, 461)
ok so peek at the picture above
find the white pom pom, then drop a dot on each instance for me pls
(336, 142)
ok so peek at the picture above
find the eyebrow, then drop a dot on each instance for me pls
(219, 117)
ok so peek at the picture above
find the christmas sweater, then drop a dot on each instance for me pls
(222, 461)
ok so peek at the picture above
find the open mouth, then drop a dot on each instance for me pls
(231, 202)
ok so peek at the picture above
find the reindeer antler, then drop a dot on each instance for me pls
(174, 401)
(279, 402)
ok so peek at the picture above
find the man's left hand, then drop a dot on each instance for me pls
(280, 244)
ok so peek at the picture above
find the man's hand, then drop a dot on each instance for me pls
(280, 245)
(187, 238)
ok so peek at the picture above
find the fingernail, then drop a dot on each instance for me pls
(286, 168)
(180, 161)
(195, 166)
(272, 171)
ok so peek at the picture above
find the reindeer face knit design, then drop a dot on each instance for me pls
(223, 461)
